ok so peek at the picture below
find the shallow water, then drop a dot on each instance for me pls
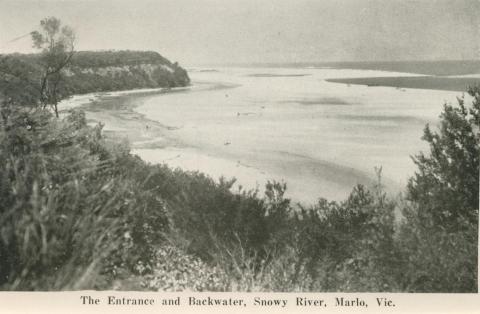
(322, 138)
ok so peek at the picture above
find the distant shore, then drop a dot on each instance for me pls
(459, 84)
(434, 68)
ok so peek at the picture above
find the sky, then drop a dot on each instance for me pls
(195, 32)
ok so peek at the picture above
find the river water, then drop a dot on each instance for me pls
(321, 138)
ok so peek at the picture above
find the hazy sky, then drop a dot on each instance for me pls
(238, 31)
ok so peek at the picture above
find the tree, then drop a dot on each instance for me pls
(438, 237)
(57, 48)
(445, 187)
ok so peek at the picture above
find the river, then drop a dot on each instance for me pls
(290, 124)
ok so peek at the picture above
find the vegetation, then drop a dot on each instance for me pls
(57, 47)
(440, 232)
(80, 212)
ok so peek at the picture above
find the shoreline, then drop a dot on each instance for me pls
(162, 131)
(437, 83)
(116, 111)
(150, 140)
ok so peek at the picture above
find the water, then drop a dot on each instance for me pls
(322, 138)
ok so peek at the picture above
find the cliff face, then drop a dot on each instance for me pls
(103, 71)
(121, 70)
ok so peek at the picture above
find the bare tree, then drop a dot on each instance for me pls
(57, 48)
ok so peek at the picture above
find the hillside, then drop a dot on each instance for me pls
(106, 71)
(117, 70)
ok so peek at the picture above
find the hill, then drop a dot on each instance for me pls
(96, 71)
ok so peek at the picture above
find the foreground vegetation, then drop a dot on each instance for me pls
(78, 211)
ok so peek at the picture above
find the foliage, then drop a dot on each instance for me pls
(57, 47)
(19, 84)
(112, 58)
(174, 270)
(65, 210)
(446, 183)
(438, 237)
(207, 213)
(434, 259)
(342, 245)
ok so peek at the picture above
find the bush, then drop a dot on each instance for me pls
(348, 246)
(65, 210)
(446, 183)
(434, 259)
(438, 236)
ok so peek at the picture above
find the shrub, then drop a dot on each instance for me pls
(65, 210)
(349, 246)
(446, 183)
(438, 236)
(435, 259)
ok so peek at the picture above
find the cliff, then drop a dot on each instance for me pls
(100, 71)
(122, 70)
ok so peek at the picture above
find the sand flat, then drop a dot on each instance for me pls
(321, 137)
(287, 124)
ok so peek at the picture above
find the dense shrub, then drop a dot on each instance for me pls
(213, 218)
(65, 211)
(348, 246)
(435, 259)
(439, 233)
(446, 183)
